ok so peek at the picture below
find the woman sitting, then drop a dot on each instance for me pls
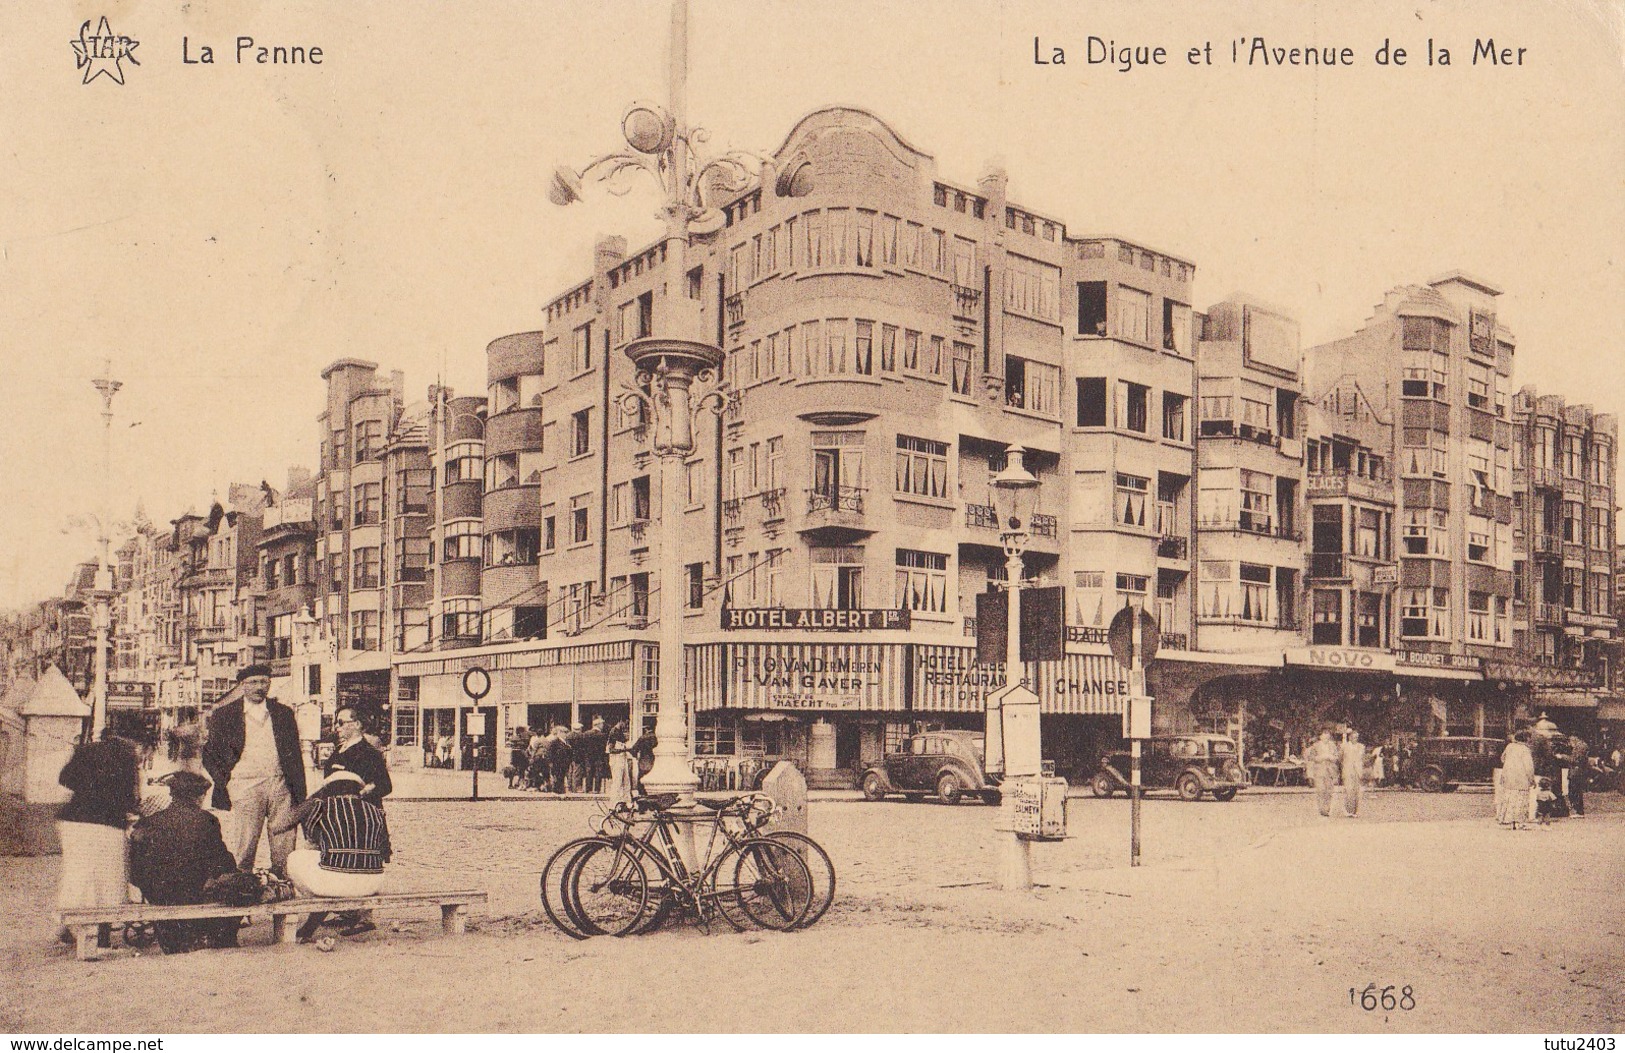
(350, 842)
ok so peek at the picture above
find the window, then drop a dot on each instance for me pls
(412, 490)
(1133, 315)
(1256, 502)
(411, 629)
(888, 349)
(1091, 308)
(530, 622)
(1425, 613)
(1176, 328)
(1368, 628)
(1089, 599)
(364, 565)
(1091, 402)
(1326, 612)
(1478, 617)
(1133, 400)
(1255, 593)
(1479, 386)
(964, 262)
(1601, 529)
(411, 559)
(863, 348)
(550, 533)
(460, 619)
(1130, 499)
(508, 548)
(1131, 590)
(1370, 539)
(578, 519)
(1032, 288)
(696, 586)
(922, 581)
(962, 367)
(1478, 540)
(369, 440)
(838, 469)
(1573, 523)
(1173, 416)
(922, 467)
(694, 484)
(465, 461)
(1217, 413)
(366, 504)
(837, 577)
(581, 432)
(364, 630)
(501, 471)
(618, 495)
(504, 395)
(638, 606)
(775, 463)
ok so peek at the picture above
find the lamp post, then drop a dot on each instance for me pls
(1015, 492)
(676, 371)
(107, 387)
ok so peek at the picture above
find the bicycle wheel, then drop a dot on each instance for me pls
(555, 879)
(766, 882)
(609, 889)
(665, 892)
(819, 868)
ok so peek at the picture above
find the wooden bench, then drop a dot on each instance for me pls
(83, 922)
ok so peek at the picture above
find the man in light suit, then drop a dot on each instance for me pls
(253, 756)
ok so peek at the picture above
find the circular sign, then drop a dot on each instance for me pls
(1120, 637)
(476, 683)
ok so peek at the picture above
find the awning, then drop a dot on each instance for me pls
(1564, 700)
(1437, 673)
(1611, 709)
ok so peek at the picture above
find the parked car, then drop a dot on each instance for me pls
(1190, 765)
(945, 763)
(1441, 764)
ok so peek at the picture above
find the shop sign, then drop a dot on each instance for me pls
(1387, 574)
(1356, 658)
(815, 619)
(1541, 675)
(1085, 634)
(1426, 660)
(950, 678)
(813, 677)
(129, 694)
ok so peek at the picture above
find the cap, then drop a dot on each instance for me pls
(257, 669)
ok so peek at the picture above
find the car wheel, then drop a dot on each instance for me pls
(991, 797)
(1430, 781)
(1448, 787)
(1225, 795)
(948, 788)
(873, 788)
(1189, 787)
(1101, 785)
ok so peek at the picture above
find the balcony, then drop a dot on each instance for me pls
(1545, 478)
(836, 511)
(1547, 614)
(967, 303)
(733, 309)
(733, 508)
(1173, 547)
(1261, 525)
(1174, 641)
(1043, 525)
(984, 516)
(773, 503)
(1329, 565)
(1546, 545)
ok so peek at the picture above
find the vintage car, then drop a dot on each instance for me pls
(945, 763)
(1191, 765)
(1443, 763)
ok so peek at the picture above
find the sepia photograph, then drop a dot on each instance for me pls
(712, 517)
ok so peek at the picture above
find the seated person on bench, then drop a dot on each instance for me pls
(350, 845)
(174, 854)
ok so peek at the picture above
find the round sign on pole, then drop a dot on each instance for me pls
(1120, 637)
(476, 683)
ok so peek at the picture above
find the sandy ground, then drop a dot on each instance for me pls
(1493, 931)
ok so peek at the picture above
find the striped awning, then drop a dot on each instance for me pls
(1082, 684)
(800, 677)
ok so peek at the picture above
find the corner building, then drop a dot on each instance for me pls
(888, 333)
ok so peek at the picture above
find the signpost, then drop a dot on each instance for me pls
(476, 685)
(1134, 637)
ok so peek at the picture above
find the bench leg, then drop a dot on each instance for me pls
(85, 941)
(281, 931)
(452, 917)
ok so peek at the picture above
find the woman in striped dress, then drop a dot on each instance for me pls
(350, 844)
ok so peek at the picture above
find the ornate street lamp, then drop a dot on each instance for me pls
(1015, 493)
(677, 376)
(107, 387)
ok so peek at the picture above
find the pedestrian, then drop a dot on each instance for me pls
(356, 753)
(102, 778)
(576, 776)
(252, 754)
(186, 750)
(623, 764)
(174, 855)
(556, 758)
(1377, 767)
(1321, 759)
(1579, 775)
(350, 845)
(1515, 804)
(595, 756)
(1353, 758)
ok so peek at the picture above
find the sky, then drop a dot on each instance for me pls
(222, 232)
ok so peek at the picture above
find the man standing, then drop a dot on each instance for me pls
(1353, 755)
(252, 754)
(1321, 758)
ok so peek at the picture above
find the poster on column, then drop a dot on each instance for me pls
(316, 326)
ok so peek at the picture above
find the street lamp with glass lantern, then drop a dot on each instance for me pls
(103, 592)
(1015, 494)
(677, 372)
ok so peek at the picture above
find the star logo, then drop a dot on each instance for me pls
(102, 52)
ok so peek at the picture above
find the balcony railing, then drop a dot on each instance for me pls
(1328, 565)
(835, 499)
(734, 309)
(981, 516)
(638, 528)
(1261, 525)
(1174, 641)
(1043, 525)
(1345, 482)
(773, 503)
(1546, 545)
(967, 302)
(733, 508)
(1547, 613)
(970, 626)
(1546, 478)
(1173, 547)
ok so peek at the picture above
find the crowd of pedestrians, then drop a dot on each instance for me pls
(592, 760)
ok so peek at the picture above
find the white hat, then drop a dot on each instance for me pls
(341, 775)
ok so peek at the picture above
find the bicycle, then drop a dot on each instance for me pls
(601, 885)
